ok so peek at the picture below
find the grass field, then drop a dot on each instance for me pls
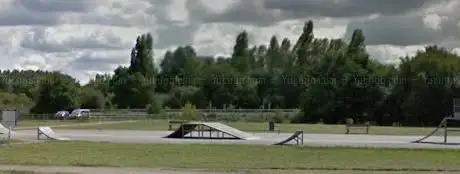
(257, 127)
(230, 157)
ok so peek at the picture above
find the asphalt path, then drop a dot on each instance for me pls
(328, 140)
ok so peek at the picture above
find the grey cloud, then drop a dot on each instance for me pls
(170, 32)
(247, 12)
(49, 6)
(21, 16)
(398, 30)
(345, 8)
(46, 12)
(114, 20)
(37, 42)
(404, 30)
(196, 10)
(90, 62)
(174, 35)
(159, 10)
(268, 12)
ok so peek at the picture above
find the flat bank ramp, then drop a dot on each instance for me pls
(297, 137)
(183, 130)
(230, 130)
(48, 133)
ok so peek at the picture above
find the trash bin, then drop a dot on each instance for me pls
(271, 126)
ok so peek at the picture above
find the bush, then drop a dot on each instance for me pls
(257, 118)
(349, 121)
(278, 118)
(211, 117)
(190, 113)
(154, 107)
(298, 118)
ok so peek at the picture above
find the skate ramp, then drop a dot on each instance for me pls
(441, 125)
(4, 130)
(297, 137)
(48, 133)
(187, 128)
(230, 130)
(431, 133)
(183, 130)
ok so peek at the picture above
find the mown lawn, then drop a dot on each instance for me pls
(230, 157)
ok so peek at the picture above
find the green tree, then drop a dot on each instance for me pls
(56, 93)
(240, 57)
(142, 56)
(134, 87)
(190, 113)
(92, 99)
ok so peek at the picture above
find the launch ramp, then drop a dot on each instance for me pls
(48, 133)
(4, 130)
(215, 130)
(297, 137)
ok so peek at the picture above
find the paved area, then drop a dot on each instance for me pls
(131, 136)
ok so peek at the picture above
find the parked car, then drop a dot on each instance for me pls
(62, 115)
(80, 113)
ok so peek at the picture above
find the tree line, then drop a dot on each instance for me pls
(328, 79)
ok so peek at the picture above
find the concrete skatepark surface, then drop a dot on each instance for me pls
(328, 140)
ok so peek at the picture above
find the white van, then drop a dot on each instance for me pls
(80, 113)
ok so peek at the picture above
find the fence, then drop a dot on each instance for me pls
(199, 110)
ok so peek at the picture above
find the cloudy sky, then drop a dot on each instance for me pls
(84, 37)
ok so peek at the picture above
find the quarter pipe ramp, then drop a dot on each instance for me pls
(211, 127)
(297, 137)
(443, 122)
(48, 133)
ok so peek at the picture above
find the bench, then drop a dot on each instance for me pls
(349, 125)
(172, 122)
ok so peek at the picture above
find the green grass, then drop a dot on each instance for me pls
(255, 127)
(228, 157)
(338, 172)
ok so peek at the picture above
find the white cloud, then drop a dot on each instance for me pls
(434, 21)
(84, 37)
